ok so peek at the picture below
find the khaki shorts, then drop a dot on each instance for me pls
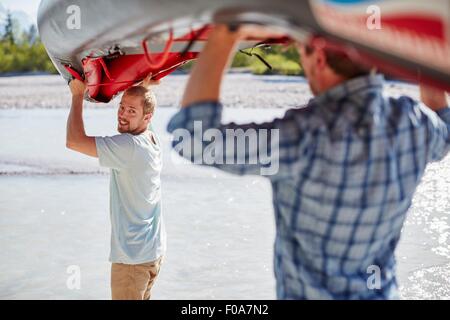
(133, 281)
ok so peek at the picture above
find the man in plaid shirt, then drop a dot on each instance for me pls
(348, 166)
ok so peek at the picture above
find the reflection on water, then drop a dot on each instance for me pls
(431, 207)
(53, 205)
(425, 245)
(429, 283)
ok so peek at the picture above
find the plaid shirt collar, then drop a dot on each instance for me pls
(355, 101)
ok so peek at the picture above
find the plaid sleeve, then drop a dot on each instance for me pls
(438, 124)
(441, 141)
(250, 148)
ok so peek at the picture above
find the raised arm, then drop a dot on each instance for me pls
(240, 149)
(76, 138)
(206, 77)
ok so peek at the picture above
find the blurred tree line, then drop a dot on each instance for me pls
(283, 60)
(26, 53)
(23, 53)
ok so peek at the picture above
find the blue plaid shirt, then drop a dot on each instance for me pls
(349, 163)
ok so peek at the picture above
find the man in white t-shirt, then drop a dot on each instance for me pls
(138, 239)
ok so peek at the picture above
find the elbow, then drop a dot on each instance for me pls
(70, 145)
(73, 141)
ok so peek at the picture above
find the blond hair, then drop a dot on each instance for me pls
(148, 97)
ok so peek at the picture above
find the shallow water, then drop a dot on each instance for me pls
(54, 214)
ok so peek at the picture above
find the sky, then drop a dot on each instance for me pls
(28, 6)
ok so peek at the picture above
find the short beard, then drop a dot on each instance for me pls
(122, 130)
(134, 132)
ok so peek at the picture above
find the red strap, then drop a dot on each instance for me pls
(105, 68)
(163, 60)
(73, 72)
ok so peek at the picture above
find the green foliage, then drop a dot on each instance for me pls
(279, 64)
(241, 60)
(283, 60)
(26, 54)
(187, 66)
(9, 29)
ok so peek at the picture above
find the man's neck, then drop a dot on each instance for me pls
(329, 81)
(139, 131)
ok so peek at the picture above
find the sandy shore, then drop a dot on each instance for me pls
(239, 90)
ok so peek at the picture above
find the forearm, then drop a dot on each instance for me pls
(235, 148)
(206, 77)
(435, 99)
(75, 126)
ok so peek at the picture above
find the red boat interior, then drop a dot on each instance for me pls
(109, 75)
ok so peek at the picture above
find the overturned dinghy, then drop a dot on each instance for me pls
(113, 44)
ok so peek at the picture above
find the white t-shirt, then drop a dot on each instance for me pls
(138, 233)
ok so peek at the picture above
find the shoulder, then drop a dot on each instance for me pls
(411, 108)
(115, 151)
(147, 141)
(123, 140)
(303, 118)
(298, 115)
(403, 103)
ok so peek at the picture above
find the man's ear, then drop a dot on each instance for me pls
(148, 117)
(321, 59)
